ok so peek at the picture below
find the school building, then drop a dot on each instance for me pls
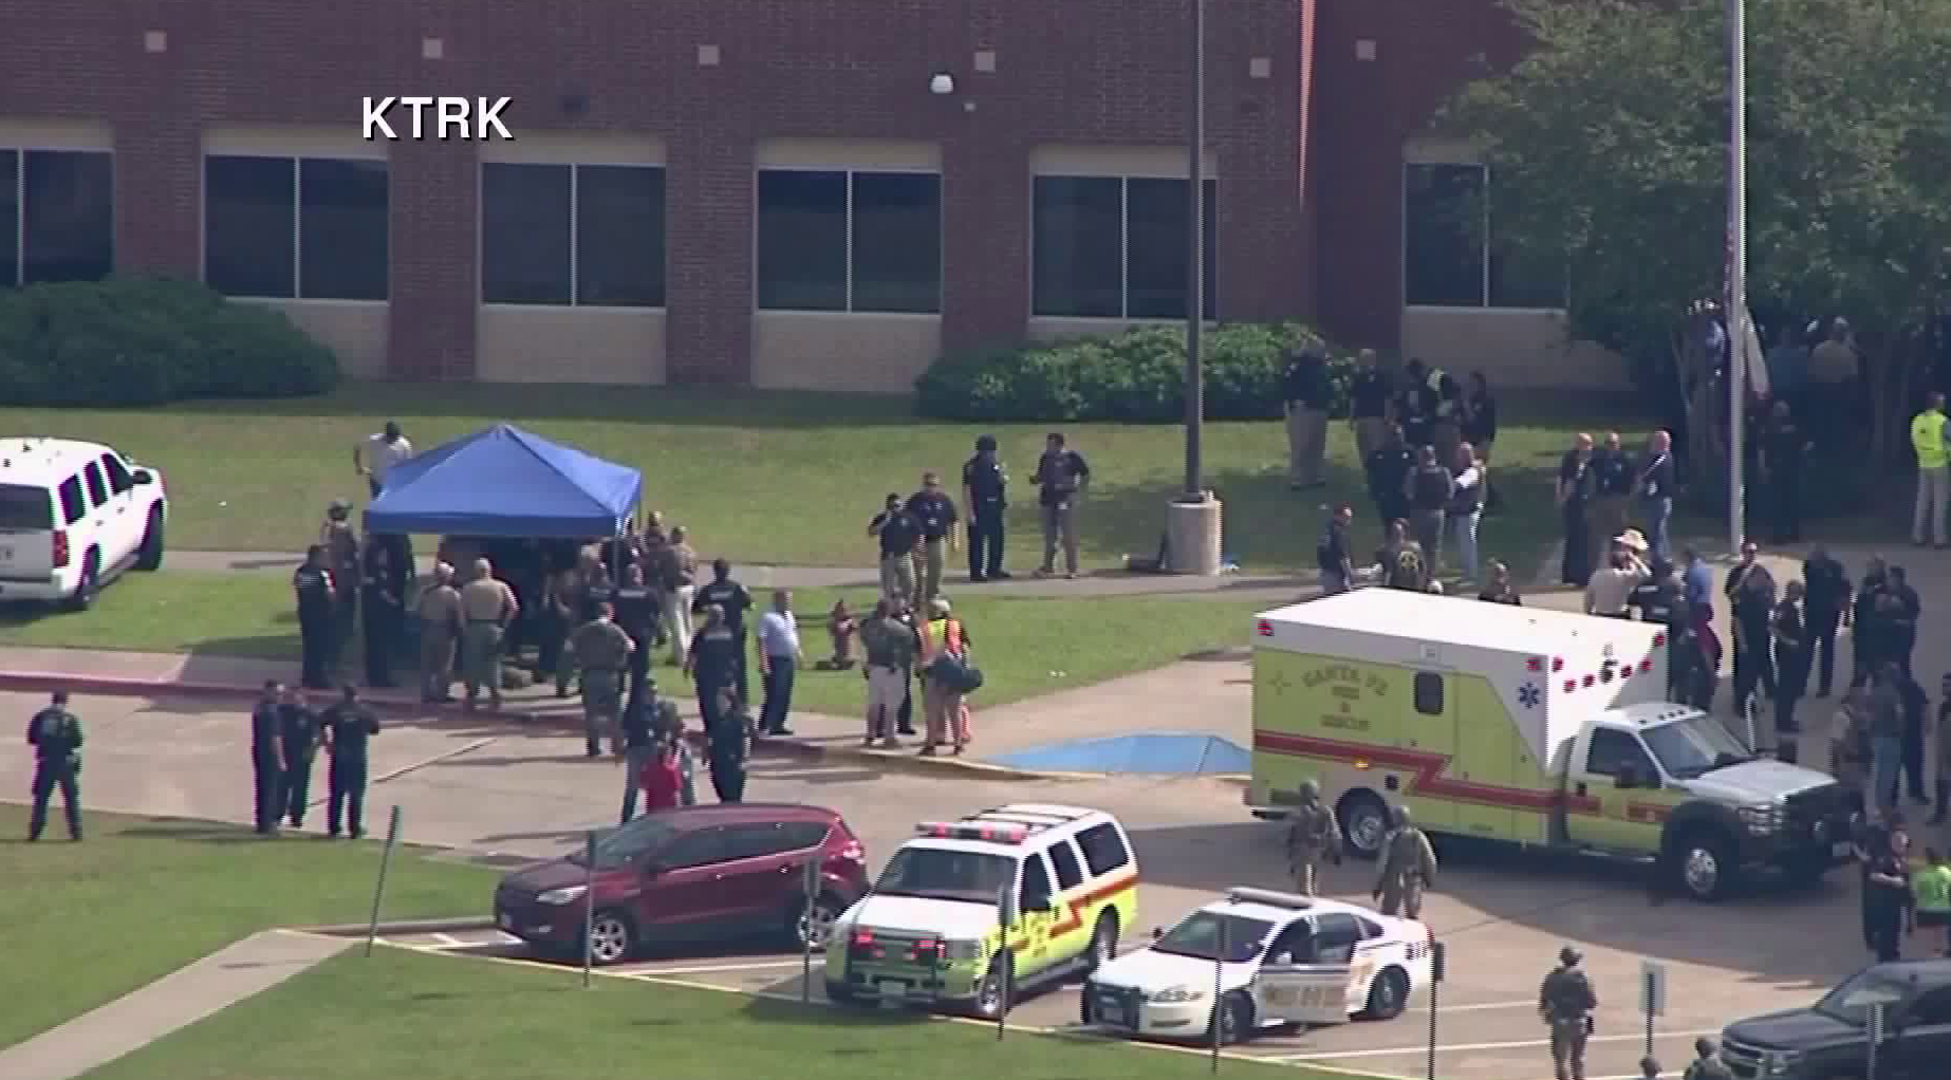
(815, 194)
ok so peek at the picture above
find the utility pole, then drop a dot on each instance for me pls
(1735, 309)
(1195, 390)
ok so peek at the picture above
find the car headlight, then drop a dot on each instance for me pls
(1762, 817)
(1779, 1062)
(961, 950)
(1177, 995)
(563, 896)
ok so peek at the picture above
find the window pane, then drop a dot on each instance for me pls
(1077, 250)
(525, 234)
(9, 217)
(897, 243)
(69, 205)
(619, 236)
(1521, 277)
(248, 213)
(342, 248)
(803, 240)
(97, 487)
(1156, 246)
(1442, 247)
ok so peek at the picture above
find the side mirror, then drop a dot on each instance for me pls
(143, 476)
(1157, 932)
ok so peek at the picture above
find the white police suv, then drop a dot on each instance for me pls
(72, 516)
(1276, 959)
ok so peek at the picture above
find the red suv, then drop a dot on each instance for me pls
(696, 874)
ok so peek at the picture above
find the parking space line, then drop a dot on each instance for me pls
(1479, 1006)
(448, 940)
(1456, 1048)
(708, 969)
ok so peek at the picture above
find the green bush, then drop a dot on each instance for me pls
(1135, 376)
(133, 341)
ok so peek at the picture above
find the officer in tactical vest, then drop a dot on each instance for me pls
(728, 741)
(1706, 1064)
(985, 485)
(298, 741)
(602, 651)
(1312, 836)
(348, 726)
(1408, 867)
(1566, 1001)
(55, 735)
(637, 613)
(316, 590)
(267, 763)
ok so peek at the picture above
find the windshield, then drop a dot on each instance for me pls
(1851, 1001)
(621, 846)
(1688, 748)
(25, 508)
(1201, 932)
(936, 874)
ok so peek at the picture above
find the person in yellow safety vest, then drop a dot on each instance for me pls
(1927, 440)
(942, 706)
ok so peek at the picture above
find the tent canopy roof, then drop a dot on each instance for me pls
(506, 482)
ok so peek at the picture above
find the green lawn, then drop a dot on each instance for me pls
(763, 477)
(1025, 646)
(404, 1014)
(141, 897)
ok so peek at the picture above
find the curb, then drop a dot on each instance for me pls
(405, 926)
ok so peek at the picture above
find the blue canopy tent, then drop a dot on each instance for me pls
(506, 482)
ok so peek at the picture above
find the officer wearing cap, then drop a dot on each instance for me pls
(342, 557)
(984, 486)
(1566, 1001)
(1706, 1064)
(603, 650)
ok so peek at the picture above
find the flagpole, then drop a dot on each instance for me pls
(1735, 312)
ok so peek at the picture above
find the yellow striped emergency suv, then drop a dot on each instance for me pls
(931, 932)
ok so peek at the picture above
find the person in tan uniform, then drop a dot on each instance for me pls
(487, 607)
(675, 573)
(439, 610)
(341, 545)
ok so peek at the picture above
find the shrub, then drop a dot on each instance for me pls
(1135, 376)
(132, 341)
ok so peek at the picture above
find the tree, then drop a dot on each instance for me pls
(1608, 141)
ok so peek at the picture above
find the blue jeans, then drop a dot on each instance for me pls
(1333, 582)
(1659, 512)
(1463, 539)
(1886, 761)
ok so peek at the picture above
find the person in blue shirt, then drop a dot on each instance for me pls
(1697, 581)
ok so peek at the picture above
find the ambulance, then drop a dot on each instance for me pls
(1522, 725)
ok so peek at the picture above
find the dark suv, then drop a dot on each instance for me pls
(1830, 1040)
(697, 874)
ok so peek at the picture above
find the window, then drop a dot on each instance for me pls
(1295, 945)
(1104, 849)
(296, 228)
(755, 841)
(1451, 256)
(1428, 692)
(1036, 879)
(850, 241)
(1106, 247)
(119, 479)
(1069, 874)
(799, 835)
(57, 216)
(701, 848)
(97, 489)
(1335, 935)
(572, 235)
(1932, 1009)
(24, 507)
(1613, 751)
(1370, 930)
(73, 506)
(632, 841)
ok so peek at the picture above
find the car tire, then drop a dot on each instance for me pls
(83, 597)
(1234, 1015)
(988, 1004)
(1388, 995)
(150, 555)
(826, 909)
(1703, 865)
(1104, 942)
(612, 938)
(1364, 824)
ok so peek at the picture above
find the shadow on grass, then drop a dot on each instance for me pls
(781, 1011)
(195, 832)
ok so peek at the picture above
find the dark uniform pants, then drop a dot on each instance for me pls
(346, 780)
(1754, 663)
(382, 635)
(47, 777)
(267, 783)
(297, 788)
(639, 670)
(1822, 649)
(727, 767)
(1568, 1049)
(778, 693)
(318, 634)
(986, 539)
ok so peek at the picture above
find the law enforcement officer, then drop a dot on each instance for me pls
(636, 613)
(439, 611)
(897, 532)
(676, 576)
(342, 556)
(1312, 836)
(1061, 476)
(1791, 645)
(1826, 597)
(1306, 396)
(1707, 1063)
(267, 766)
(1387, 468)
(712, 663)
(1868, 636)
(734, 600)
(384, 610)
(1750, 591)
(639, 743)
(563, 597)
(1368, 404)
(298, 742)
(315, 588)
(602, 651)
(729, 738)
(1408, 867)
(55, 735)
(938, 517)
(487, 607)
(1566, 1001)
(347, 725)
(984, 486)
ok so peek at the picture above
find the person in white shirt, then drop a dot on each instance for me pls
(376, 456)
(779, 659)
(1466, 510)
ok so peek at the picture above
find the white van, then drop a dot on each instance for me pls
(73, 515)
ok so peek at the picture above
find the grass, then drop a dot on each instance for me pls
(783, 478)
(1025, 646)
(411, 1014)
(141, 897)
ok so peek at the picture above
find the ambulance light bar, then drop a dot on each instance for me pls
(969, 830)
(1240, 894)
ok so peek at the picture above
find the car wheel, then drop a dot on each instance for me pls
(83, 597)
(611, 938)
(808, 926)
(989, 1003)
(1364, 824)
(1234, 1015)
(1388, 995)
(1104, 942)
(1705, 865)
(150, 555)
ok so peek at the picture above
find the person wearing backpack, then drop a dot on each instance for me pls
(944, 666)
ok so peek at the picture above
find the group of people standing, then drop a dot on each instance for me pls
(287, 734)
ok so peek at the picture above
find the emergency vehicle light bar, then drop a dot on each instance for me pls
(963, 830)
(1241, 894)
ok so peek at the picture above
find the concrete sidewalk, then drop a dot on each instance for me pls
(173, 1002)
